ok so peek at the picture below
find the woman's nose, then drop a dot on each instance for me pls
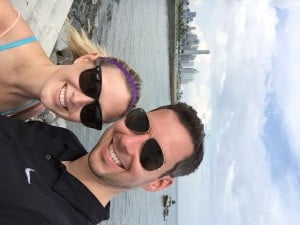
(79, 99)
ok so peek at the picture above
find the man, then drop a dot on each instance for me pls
(47, 177)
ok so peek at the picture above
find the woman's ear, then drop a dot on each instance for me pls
(159, 184)
(87, 58)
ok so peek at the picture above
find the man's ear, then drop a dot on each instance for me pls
(159, 184)
(87, 58)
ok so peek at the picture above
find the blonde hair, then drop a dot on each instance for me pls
(80, 44)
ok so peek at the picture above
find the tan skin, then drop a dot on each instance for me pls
(27, 73)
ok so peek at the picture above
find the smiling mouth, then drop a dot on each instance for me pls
(62, 97)
(114, 156)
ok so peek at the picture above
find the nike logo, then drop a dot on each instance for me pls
(27, 172)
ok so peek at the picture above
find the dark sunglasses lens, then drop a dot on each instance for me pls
(152, 156)
(90, 82)
(91, 116)
(137, 120)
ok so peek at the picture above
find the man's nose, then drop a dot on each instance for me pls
(133, 143)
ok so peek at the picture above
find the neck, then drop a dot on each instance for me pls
(24, 80)
(80, 169)
(28, 82)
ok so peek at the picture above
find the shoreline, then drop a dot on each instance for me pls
(173, 55)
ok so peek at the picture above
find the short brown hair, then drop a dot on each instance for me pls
(188, 117)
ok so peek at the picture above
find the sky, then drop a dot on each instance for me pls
(246, 91)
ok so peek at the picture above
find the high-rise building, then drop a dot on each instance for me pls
(189, 70)
(193, 52)
(186, 79)
(187, 64)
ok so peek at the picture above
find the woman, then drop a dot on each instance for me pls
(91, 90)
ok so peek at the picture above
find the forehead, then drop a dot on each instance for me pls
(114, 95)
(171, 135)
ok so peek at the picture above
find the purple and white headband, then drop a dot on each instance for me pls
(128, 76)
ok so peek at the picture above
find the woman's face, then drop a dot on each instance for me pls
(61, 92)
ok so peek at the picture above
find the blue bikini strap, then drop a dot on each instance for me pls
(17, 43)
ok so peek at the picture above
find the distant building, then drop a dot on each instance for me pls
(187, 64)
(186, 79)
(189, 70)
(186, 2)
(191, 28)
(189, 47)
(189, 14)
(193, 52)
(187, 74)
(186, 58)
(189, 36)
(190, 39)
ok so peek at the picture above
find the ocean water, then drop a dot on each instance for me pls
(137, 32)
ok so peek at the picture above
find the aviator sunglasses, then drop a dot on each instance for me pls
(152, 156)
(90, 83)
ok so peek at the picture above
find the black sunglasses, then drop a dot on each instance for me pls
(152, 156)
(90, 82)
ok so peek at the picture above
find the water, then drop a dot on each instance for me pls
(137, 33)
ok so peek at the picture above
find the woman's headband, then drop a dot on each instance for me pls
(129, 77)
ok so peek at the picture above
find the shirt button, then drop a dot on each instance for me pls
(48, 157)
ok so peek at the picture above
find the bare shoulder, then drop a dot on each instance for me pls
(12, 25)
(8, 14)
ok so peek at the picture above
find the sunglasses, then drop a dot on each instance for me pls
(152, 156)
(90, 83)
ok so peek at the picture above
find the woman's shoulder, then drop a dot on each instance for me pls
(12, 25)
(8, 15)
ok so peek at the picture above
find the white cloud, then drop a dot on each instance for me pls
(289, 4)
(194, 4)
(241, 189)
(199, 97)
(197, 93)
(200, 35)
(288, 78)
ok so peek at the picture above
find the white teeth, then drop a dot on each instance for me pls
(114, 156)
(62, 97)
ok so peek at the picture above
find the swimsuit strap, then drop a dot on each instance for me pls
(20, 108)
(18, 43)
(30, 112)
(11, 26)
(26, 111)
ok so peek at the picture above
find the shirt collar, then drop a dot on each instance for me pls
(80, 197)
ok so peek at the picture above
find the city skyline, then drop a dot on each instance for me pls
(249, 83)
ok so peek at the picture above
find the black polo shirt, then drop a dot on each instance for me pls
(35, 188)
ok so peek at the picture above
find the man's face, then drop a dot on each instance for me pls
(116, 158)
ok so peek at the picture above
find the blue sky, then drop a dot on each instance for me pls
(247, 90)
